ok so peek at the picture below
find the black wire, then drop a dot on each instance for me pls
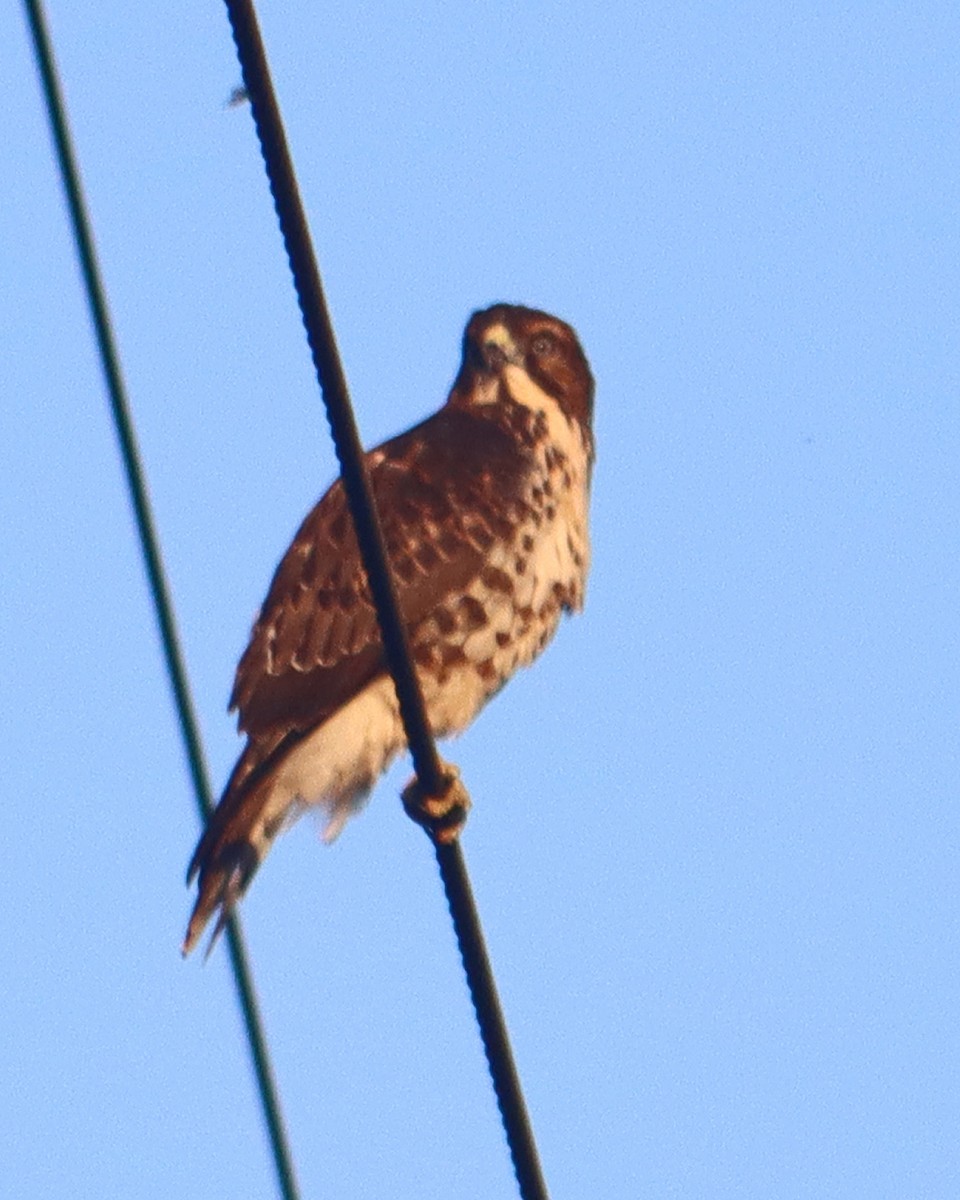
(493, 1027)
(326, 359)
(96, 299)
(316, 320)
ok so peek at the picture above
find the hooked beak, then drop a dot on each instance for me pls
(498, 349)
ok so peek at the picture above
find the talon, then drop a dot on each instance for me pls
(443, 814)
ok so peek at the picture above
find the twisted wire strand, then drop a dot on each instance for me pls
(320, 336)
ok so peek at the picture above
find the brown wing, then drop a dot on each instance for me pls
(444, 491)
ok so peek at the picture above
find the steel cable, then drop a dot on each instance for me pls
(153, 563)
(316, 319)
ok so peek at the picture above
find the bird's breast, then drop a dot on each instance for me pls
(473, 642)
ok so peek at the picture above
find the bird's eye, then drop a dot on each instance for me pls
(544, 343)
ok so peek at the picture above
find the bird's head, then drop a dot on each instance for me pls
(516, 353)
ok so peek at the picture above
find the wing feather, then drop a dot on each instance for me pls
(441, 490)
(444, 490)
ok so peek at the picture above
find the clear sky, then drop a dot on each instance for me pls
(715, 835)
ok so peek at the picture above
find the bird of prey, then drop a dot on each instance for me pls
(484, 514)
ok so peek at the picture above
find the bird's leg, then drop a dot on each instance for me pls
(442, 814)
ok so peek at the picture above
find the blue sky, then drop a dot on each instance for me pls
(715, 830)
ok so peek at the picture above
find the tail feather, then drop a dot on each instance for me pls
(223, 880)
(233, 845)
(331, 768)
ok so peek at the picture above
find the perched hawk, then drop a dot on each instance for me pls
(484, 512)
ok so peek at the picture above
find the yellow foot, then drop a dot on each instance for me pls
(442, 815)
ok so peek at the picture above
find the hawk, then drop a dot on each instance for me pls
(484, 515)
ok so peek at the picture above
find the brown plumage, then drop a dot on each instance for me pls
(484, 513)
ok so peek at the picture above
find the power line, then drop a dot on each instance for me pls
(153, 563)
(432, 779)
